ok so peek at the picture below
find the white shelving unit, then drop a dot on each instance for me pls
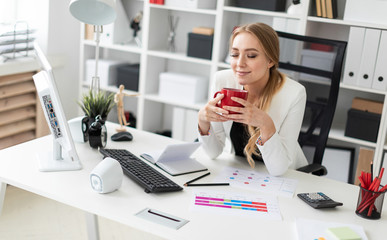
(155, 113)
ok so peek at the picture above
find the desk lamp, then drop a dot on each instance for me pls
(97, 13)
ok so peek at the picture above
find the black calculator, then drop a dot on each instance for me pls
(318, 200)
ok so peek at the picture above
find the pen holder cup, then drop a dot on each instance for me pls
(370, 203)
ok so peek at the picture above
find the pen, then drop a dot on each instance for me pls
(193, 180)
(206, 184)
(160, 215)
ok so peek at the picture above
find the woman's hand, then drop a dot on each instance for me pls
(211, 113)
(252, 116)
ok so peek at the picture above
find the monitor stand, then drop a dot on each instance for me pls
(47, 163)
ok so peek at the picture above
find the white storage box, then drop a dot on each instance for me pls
(317, 59)
(200, 4)
(184, 88)
(107, 71)
(371, 11)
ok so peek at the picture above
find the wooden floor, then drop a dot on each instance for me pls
(27, 216)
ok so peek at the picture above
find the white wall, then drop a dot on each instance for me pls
(64, 40)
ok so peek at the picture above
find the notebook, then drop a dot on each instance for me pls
(176, 159)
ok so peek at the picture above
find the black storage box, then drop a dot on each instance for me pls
(128, 75)
(269, 5)
(362, 125)
(200, 45)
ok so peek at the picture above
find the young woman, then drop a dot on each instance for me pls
(267, 127)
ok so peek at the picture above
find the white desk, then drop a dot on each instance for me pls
(18, 167)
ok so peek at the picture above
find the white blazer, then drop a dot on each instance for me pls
(282, 150)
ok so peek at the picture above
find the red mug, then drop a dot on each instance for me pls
(228, 93)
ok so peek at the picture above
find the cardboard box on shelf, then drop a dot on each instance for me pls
(203, 30)
(367, 105)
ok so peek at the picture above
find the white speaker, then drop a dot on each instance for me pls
(106, 176)
(78, 128)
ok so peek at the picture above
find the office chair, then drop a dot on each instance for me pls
(317, 64)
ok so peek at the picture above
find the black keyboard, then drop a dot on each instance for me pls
(139, 171)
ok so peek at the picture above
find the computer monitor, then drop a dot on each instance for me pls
(63, 155)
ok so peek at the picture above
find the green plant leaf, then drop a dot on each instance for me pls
(97, 103)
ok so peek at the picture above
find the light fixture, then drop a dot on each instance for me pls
(97, 13)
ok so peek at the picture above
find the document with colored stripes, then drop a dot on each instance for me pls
(233, 203)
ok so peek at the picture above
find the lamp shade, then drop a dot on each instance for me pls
(94, 12)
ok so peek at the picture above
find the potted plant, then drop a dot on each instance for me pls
(96, 103)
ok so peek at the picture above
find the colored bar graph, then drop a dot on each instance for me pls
(230, 203)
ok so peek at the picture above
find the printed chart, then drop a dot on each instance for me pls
(257, 181)
(236, 204)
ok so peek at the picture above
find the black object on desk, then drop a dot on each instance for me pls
(122, 136)
(318, 200)
(140, 172)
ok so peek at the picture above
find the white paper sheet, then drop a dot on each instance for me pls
(254, 180)
(313, 229)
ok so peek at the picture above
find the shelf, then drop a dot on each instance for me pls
(362, 89)
(112, 89)
(180, 56)
(18, 65)
(260, 12)
(133, 48)
(345, 22)
(338, 134)
(16, 139)
(17, 89)
(191, 10)
(153, 111)
(15, 115)
(16, 78)
(157, 98)
(17, 102)
(17, 127)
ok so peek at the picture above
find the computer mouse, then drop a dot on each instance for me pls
(122, 136)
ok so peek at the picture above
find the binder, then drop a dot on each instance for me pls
(331, 8)
(318, 8)
(323, 8)
(354, 54)
(380, 76)
(368, 58)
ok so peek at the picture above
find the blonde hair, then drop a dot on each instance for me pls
(270, 43)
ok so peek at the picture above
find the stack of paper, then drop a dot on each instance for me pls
(314, 229)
